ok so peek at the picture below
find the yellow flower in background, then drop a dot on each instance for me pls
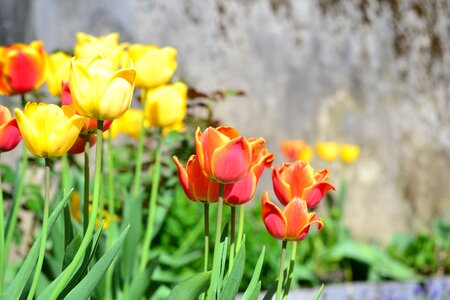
(99, 91)
(349, 153)
(165, 106)
(129, 124)
(154, 66)
(75, 208)
(88, 45)
(327, 151)
(47, 129)
(59, 68)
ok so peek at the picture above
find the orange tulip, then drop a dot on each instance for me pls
(298, 179)
(224, 155)
(196, 186)
(23, 68)
(296, 149)
(292, 223)
(242, 191)
(9, 131)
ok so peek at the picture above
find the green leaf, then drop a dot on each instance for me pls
(71, 250)
(319, 292)
(90, 281)
(141, 282)
(191, 288)
(18, 283)
(252, 291)
(233, 282)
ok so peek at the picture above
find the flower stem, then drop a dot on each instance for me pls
(290, 271)
(23, 100)
(152, 204)
(216, 258)
(67, 273)
(40, 261)
(232, 237)
(280, 276)
(86, 184)
(241, 227)
(68, 232)
(206, 221)
(3, 257)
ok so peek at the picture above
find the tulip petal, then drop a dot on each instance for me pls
(273, 218)
(301, 175)
(9, 135)
(29, 133)
(232, 161)
(183, 177)
(312, 219)
(281, 188)
(314, 194)
(203, 189)
(205, 145)
(296, 215)
(240, 192)
(322, 175)
(229, 131)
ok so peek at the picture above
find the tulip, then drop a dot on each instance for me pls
(298, 180)
(47, 129)
(297, 149)
(349, 153)
(9, 132)
(23, 68)
(290, 224)
(242, 191)
(196, 186)
(165, 106)
(327, 151)
(80, 144)
(129, 124)
(88, 46)
(224, 155)
(98, 91)
(59, 67)
(154, 66)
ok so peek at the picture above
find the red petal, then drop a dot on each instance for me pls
(240, 192)
(202, 188)
(9, 135)
(183, 177)
(296, 215)
(282, 189)
(273, 219)
(314, 194)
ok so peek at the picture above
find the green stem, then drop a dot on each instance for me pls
(23, 100)
(206, 221)
(290, 271)
(280, 276)
(44, 231)
(68, 232)
(86, 184)
(241, 227)
(111, 211)
(232, 237)
(152, 204)
(138, 170)
(216, 258)
(3, 257)
(67, 273)
(18, 191)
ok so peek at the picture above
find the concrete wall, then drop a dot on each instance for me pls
(368, 72)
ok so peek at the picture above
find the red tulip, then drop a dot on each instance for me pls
(80, 143)
(23, 68)
(224, 155)
(292, 223)
(298, 179)
(9, 132)
(196, 186)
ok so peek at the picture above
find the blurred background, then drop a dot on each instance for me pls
(369, 72)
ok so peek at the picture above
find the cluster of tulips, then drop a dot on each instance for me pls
(96, 88)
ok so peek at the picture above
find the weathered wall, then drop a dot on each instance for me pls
(368, 72)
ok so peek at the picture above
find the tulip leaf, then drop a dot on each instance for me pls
(233, 282)
(252, 291)
(216, 277)
(141, 282)
(319, 292)
(90, 281)
(192, 287)
(18, 283)
(71, 250)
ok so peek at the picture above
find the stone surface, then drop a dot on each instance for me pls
(368, 72)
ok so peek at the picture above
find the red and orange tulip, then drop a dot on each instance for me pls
(9, 131)
(298, 179)
(196, 186)
(292, 223)
(297, 149)
(23, 68)
(224, 155)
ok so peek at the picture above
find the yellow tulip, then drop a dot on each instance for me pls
(47, 129)
(154, 66)
(165, 106)
(349, 153)
(327, 151)
(88, 45)
(99, 91)
(129, 123)
(59, 67)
